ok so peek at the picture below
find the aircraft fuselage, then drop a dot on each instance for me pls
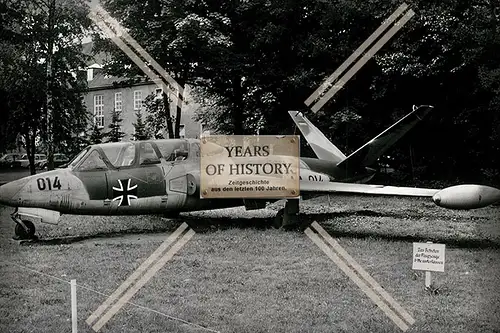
(103, 182)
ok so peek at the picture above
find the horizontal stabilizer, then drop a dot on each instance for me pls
(322, 147)
(368, 154)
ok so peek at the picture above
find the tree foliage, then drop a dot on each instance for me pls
(115, 133)
(96, 136)
(40, 56)
(252, 61)
(156, 113)
(158, 37)
(141, 131)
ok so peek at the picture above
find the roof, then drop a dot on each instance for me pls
(102, 81)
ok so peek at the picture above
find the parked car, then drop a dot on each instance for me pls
(25, 163)
(59, 160)
(7, 159)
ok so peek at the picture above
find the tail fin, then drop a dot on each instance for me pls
(369, 153)
(322, 147)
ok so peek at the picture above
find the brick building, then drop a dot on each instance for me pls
(108, 92)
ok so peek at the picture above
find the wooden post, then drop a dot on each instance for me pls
(73, 307)
(428, 276)
(427, 279)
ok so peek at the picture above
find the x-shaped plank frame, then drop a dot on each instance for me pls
(328, 245)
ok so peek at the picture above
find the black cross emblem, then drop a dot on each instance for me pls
(124, 194)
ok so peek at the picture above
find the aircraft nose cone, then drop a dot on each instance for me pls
(9, 191)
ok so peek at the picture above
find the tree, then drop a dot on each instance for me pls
(96, 136)
(254, 61)
(40, 58)
(141, 131)
(174, 33)
(80, 141)
(446, 59)
(115, 133)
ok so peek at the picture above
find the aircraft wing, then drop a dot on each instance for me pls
(466, 196)
(335, 187)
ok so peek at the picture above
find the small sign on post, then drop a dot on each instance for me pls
(428, 257)
(238, 166)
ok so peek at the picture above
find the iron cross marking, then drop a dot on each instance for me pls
(124, 194)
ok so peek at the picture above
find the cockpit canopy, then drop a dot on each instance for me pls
(134, 154)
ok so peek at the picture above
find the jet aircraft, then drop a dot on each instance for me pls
(163, 177)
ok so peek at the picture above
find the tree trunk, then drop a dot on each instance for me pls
(237, 106)
(178, 115)
(495, 14)
(30, 150)
(240, 41)
(179, 105)
(50, 124)
(168, 120)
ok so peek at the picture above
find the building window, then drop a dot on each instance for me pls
(98, 110)
(137, 100)
(118, 101)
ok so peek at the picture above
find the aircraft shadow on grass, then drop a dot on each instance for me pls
(206, 225)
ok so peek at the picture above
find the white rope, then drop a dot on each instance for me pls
(102, 294)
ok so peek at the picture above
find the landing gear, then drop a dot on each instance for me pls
(25, 232)
(288, 216)
(278, 219)
(24, 229)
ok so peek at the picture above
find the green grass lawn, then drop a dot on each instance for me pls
(232, 277)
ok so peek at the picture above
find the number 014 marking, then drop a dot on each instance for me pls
(48, 183)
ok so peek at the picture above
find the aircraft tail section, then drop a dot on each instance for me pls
(322, 147)
(369, 153)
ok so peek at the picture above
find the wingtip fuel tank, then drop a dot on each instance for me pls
(466, 196)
